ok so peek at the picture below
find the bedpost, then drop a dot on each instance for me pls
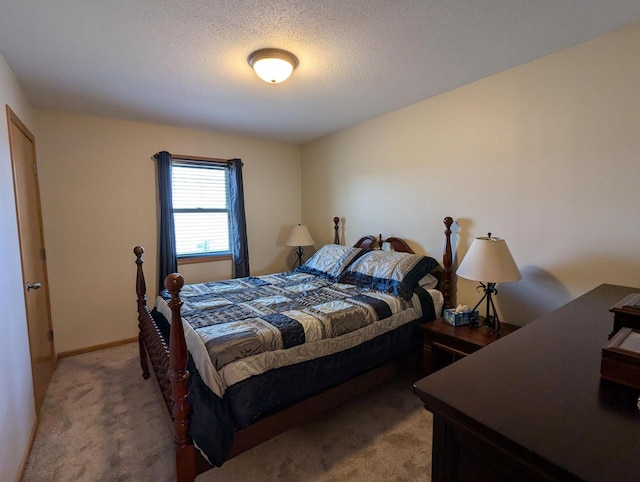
(336, 234)
(447, 260)
(141, 291)
(179, 376)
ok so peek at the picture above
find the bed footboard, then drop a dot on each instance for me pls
(152, 344)
(141, 291)
(179, 376)
(169, 364)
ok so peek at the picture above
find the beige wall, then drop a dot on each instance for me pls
(545, 155)
(17, 409)
(99, 201)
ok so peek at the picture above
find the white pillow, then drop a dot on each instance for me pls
(330, 261)
(428, 282)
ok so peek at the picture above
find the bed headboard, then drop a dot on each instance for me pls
(371, 242)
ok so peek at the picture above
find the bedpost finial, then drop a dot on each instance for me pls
(138, 251)
(448, 221)
(336, 220)
(174, 282)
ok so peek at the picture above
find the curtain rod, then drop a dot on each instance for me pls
(181, 157)
(201, 159)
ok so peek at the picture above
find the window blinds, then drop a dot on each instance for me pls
(200, 208)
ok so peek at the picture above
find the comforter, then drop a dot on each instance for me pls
(259, 344)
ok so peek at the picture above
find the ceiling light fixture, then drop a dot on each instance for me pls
(273, 65)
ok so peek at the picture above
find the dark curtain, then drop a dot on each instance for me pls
(167, 260)
(239, 245)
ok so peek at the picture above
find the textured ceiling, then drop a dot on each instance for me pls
(184, 62)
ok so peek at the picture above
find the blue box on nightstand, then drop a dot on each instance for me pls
(460, 319)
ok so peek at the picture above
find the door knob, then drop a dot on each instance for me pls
(33, 286)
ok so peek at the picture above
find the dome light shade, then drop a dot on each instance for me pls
(273, 65)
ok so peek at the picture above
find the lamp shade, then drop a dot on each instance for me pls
(299, 236)
(489, 260)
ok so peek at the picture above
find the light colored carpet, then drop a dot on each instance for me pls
(101, 421)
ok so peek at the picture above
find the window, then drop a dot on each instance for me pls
(209, 226)
(200, 192)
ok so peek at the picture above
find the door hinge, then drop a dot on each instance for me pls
(43, 254)
(50, 335)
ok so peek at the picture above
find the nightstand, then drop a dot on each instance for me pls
(443, 343)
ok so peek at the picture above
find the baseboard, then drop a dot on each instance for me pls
(27, 451)
(111, 344)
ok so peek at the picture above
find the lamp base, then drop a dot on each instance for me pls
(491, 319)
(299, 254)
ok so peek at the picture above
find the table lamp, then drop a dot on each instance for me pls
(489, 261)
(299, 237)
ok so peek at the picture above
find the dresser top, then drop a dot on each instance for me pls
(540, 387)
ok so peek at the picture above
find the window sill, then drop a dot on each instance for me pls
(203, 259)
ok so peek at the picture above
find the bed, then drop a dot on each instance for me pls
(240, 361)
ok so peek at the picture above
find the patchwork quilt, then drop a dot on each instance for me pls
(252, 320)
(277, 326)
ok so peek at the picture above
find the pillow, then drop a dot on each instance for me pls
(330, 261)
(389, 271)
(428, 282)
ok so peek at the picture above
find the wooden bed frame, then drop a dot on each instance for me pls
(169, 364)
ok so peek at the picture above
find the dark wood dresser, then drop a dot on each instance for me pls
(533, 406)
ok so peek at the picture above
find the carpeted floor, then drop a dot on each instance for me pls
(101, 421)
